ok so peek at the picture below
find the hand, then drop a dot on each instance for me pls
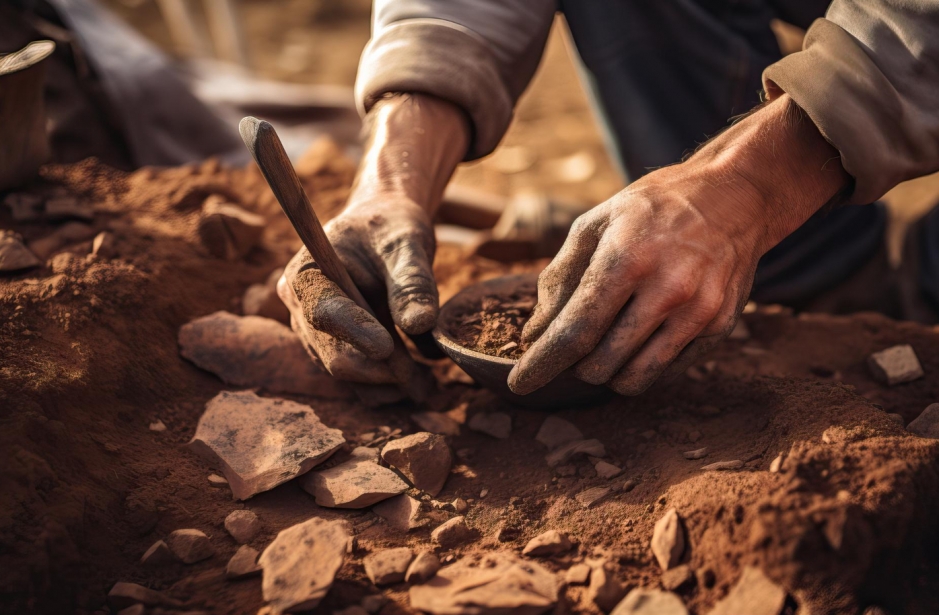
(652, 279)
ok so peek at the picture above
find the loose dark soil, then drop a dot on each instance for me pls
(494, 326)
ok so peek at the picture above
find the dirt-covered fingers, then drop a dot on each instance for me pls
(409, 278)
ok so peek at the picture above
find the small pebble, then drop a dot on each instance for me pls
(700, 453)
(736, 464)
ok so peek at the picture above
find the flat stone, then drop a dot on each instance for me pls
(217, 481)
(895, 365)
(668, 540)
(189, 545)
(677, 577)
(926, 425)
(423, 568)
(754, 594)
(499, 584)
(424, 459)
(547, 544)
(565, 452)
(243, 525)
(496, 424)
(401, 512)
(717, 466)
(452, 533)
(364, 453)
(588, 498)
(157, 555)
(556, 431)
(388, 566)
(437, 422)
(67, 234)
(607, 470)
(578, 574)
(124, 595)
(14, 256)
(301, 564)
(259, 443)
(255, 352)
(604, 590)
(652, 602)
(353, 484)
(227, 230)
(243, 564)
(698, 453)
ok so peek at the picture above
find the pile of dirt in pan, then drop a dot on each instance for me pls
(822, 489)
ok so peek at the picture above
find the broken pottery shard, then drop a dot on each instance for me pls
(566, 452)
(589, 497)
(423, 568)
(259, 443)
(124, 595)
(388, 566)
(157, 555)
(251, 351)
(735, 464)
(353, 484)
(555, 431)
(578, 574)
(607, 470)
(190, 546)
(227, 230)
(677, 578)
(546, 544)
(437, 422)
(652, 602)
(699, 453)
(244, 563)
(424, 459)
(453, 533)
(926, 425)
(495, 424)
(300, 565)
(604, 590)
(14, 256)
(243, 525)
(401, 512)
(501, 584)
(668, 540)
(754, 594)
(895, 365)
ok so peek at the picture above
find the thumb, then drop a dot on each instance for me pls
(412, 290)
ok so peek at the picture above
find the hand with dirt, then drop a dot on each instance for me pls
(385, 238)
(652, 279)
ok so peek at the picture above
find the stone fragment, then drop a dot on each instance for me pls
(678, 577)
(157, 555)
(547, 544)
(495, 424)
(556, 431)
(776, 464)
(423, 568)
(735, 464)
(424, 459)
(459, 506)
(401, 512)
(157, 426)
(604, 590)
(699, 453)
(364, 453)
(499, 584)
(668, 540)
(67, 234)
(24, 207)
(227, 230)
(578, 574)
(299, 566)
(372, 604)
(607, 470)
(260, 443)
(895, 365)
(124, 595)
(592, 496)
(103, 245)
(217, 481)
(437, 422)
(651, 602)
(243, 525)
(189, 545)
(262, 300)
(754, 594)
(255, 352)
(14, 256)
(926, 425)
(244, 563)
(388, 566)
(353, 484)
(452, 533)
(565, 452)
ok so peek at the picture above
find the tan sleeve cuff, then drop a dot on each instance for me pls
(445, 60)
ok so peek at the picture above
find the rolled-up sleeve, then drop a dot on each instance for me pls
(478, 54)
(868, 76)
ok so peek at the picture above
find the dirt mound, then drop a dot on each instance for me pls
(90, 360)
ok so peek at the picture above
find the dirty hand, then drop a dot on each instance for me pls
(655, 277)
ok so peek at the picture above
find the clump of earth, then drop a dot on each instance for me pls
(494, 324)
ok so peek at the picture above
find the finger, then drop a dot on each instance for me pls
(409, 278)
(340, 359)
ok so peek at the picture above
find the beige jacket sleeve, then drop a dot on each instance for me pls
(868, 76)
(477, 54)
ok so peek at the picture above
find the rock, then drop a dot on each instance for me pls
(547, 544)
(423, 568)
(699, 453)
(227, 230)
(652, 602)
(754, 594)
(736, 464)
(607, 470)
(190, 545)
(353, 484)
(677, 578)
(388, 566)
(452, 533)
(243, 525)
(568, 451)
(67, 208)
(262, 300)
(244, 563)
(926, 425)
(459, 506)
(668, 540)
(424, 459)
(67, 234)
(437, 422)
(299, 566)
(364, 453)
(604, 590)
(124, 595)
(495, 424)
(14, 256)
(895, 365)
(589, 497)
(556, 431)
(24, 207)
(217, 481)
(401, 512)
(255, 352)
(103, 245)
(776, 464)
(157, 426)
(157, 555)
(372, 604)
(578, 574)
(501, 584)
(260, 443)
